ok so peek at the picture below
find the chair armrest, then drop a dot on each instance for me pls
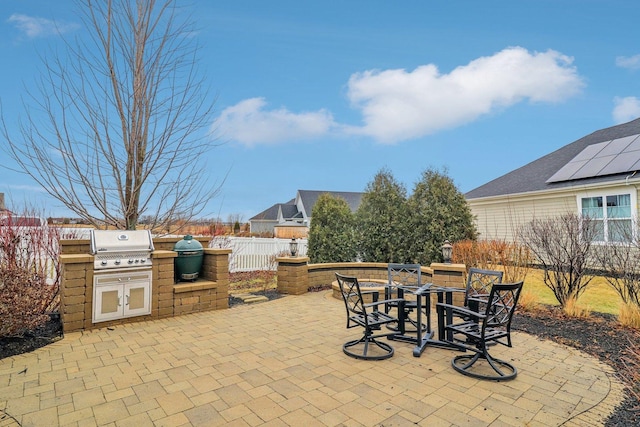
(460, 310)
(399, 301)
(424, 289)
(479, 298)
(437, 289)
(374, 295)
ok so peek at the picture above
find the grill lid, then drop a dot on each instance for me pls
(120, 241)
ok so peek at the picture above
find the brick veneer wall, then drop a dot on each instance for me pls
(209, 292)
(296, 276)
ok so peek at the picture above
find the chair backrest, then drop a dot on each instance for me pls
(352, 296)
(480, 282)
(404, 274)
(501, 305)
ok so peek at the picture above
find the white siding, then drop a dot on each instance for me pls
(501, 219)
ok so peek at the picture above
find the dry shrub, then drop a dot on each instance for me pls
(24, 300)
(29, 273)
(572, 309)
(511, 258)
(528, 301)
(629, 315)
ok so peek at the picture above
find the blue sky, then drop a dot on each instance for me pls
(322, 95)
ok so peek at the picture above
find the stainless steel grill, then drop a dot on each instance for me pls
(121, 248)
(122, 280)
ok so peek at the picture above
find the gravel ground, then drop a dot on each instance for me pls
(598, 335)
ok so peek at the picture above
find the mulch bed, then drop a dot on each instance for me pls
(599, 335)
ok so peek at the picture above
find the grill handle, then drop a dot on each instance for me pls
(189, 253)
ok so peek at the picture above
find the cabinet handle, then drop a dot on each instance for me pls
(127, 303)
(119, 301)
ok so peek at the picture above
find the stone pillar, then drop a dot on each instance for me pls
(162, 283)
(293, 275)
(450, 276)
(215, 267)
(76, 292)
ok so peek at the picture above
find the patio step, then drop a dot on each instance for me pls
(251, 298)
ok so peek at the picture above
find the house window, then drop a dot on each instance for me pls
(612, 214)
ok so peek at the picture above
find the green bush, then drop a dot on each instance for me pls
(332, 232)
(381, 220)
(438, 211)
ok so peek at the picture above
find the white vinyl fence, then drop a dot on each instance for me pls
(253, 253)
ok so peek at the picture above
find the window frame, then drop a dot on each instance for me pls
(603, 193)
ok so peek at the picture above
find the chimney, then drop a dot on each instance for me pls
(2, 207)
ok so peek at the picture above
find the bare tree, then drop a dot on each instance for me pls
(563, 247)
(118, 129)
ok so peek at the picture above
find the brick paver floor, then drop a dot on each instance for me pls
(281, 363)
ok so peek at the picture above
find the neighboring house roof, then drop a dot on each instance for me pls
(289, 211)
(301, 207)
(271, 214)
(533, 176)
(310, 197)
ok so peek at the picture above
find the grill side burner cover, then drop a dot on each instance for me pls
(121, 248)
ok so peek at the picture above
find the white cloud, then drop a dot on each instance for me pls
(249, 123)
(399, 105)
(34, 27)
(626, 109)
(631, 62)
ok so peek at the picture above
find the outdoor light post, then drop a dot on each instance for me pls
(447, 252)
(293, 247)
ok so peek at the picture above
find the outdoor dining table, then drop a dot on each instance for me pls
(424, 337)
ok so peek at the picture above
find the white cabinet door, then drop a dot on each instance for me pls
(137, 299)
(107, 304)
(121, 295)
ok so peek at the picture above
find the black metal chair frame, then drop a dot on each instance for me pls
(402, 279)
(479, 283)
(482, 329)
(367, 316)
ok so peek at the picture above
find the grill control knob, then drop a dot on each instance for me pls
(103, 262)
(130, 261)
(117, 262)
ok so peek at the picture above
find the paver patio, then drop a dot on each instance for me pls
(281, 364)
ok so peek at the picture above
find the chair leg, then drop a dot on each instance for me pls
(367, 353)
(504, 371)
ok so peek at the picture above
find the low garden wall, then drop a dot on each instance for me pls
(296, 276)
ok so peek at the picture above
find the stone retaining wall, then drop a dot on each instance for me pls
(296, 276)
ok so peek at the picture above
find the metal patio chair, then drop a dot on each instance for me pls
(493, 325)
(402, 280)
(369, 317)
(479, 283)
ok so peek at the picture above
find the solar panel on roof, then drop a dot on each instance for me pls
(605, 158)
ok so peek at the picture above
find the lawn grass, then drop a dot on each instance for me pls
(598, 297)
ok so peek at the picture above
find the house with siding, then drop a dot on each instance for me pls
(596, 176)
(293, 218)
